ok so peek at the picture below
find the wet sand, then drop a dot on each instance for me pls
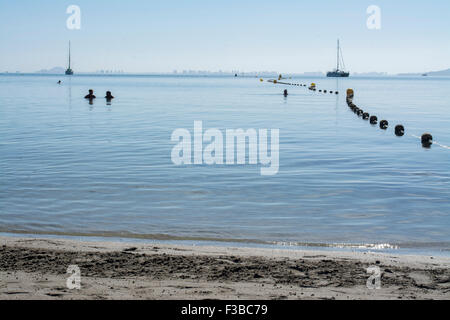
(36, 269)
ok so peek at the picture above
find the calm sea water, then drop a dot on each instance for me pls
(70, 168)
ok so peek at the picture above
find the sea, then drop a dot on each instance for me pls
(75, 168)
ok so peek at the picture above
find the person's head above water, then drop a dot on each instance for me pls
(90, 95)
(109, 95)
(285, 92)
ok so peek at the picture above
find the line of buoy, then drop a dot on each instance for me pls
(426, 139)
(399, 130)
(311, 87)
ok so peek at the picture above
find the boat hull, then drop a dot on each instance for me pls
(339, 74)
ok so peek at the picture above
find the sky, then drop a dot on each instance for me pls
(285, 36)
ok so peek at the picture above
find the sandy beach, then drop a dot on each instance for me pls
(36, 269)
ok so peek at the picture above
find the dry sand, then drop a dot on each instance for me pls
(36, 269)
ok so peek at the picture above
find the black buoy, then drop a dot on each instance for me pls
(355, 109)
(337, 92)
(360, 112)
(427, 140)
(384, 124)
(331, 92)
(399, 130)
(324, 91)
(320, 90)
(373, 120)
(365, 116)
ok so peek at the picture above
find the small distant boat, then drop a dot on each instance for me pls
(69, 71)
(338, 73)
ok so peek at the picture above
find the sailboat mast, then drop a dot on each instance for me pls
(337, 55)
(69, 54)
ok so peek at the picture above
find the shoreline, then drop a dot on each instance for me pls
(35, 268)
(421, 249)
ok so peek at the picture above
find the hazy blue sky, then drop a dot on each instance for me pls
(284, 36)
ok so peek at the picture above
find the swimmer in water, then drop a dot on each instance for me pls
(109, 96)
(90, 95)
(59, 82)
(285, 93)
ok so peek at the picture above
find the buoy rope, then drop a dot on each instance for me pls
(275, 81)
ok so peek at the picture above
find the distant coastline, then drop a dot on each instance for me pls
(442, 73)
(60, 71)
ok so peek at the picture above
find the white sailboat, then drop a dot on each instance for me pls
(69, 71)
(338, 73)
